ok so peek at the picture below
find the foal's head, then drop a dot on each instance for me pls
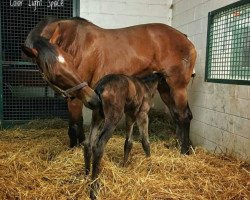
(57, 68)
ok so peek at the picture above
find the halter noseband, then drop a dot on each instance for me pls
(65, 93)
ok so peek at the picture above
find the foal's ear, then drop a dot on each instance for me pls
(56, 35)
(30, 52)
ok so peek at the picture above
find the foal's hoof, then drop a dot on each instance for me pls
(92, 196)
(185, 151)
(72, 145)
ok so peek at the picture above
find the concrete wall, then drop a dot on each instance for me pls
(122, 13)
(221, 111)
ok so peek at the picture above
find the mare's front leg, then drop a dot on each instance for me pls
(142, 122)
(130, 120)
(164, 92)
(75, 130)
(176, 100)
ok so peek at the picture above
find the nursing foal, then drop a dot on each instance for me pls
(119, 94)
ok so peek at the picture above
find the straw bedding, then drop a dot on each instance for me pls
(35, 163)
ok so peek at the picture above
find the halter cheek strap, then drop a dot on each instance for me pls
(64, 93)
(78, 87)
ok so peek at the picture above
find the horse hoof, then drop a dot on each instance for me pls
(72, 145)
(92, 195)
(185, 151)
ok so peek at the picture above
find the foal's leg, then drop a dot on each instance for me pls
(98, 150)
(142, 122)
(130, 120)
(75, 131)
(95, 123)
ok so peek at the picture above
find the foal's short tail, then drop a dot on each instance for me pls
(155, 76)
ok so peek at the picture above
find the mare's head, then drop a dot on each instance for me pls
(58, 70)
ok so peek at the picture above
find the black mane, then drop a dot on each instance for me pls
(46, 51)
(80, 19)
(37, 30)
(47, 54)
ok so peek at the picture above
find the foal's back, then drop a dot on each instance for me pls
(126, 93)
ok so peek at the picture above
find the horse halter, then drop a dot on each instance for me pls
(65, 93)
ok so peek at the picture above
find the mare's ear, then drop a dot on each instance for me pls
(30, 52)
(56, 35)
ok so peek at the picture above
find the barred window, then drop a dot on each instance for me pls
(228, 44)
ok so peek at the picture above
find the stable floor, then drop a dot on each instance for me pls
(36, 163)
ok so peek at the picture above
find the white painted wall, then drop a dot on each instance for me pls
(221, 111)
(122, 13)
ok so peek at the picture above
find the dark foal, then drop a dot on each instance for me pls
(119, 94)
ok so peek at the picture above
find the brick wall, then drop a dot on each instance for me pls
(221, 111)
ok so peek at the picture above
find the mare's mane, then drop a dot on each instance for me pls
(37, 30)
(47, 55)
(34, 34)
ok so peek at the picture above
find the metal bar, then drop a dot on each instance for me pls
(1, 76)
(233, 5)
(207, 46)
(76, 8)
(17, 63)
(238, 82)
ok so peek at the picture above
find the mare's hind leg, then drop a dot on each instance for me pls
(176, 100)
(142, 122)
(75, 130)
(130, 120)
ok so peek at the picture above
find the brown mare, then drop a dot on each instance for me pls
(136, 50)
(116, 94)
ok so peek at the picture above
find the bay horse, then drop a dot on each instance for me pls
(134, 51)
